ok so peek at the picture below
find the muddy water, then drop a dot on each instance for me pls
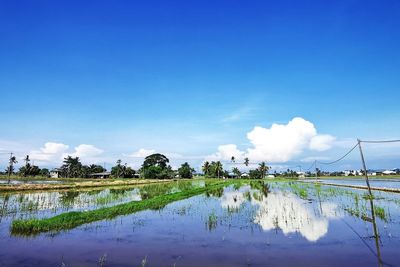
(274, 224)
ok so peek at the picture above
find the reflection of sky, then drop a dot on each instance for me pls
(285, 211)
(59, 201)
(232, 199)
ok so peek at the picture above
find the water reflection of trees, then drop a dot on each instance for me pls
(67, 199)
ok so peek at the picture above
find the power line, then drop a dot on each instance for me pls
(312, 165)
(339, 159)
(379, 141)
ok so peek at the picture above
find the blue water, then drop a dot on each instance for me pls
(392, 183)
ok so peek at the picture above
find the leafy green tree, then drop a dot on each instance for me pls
(206, 168)
(34, 170)
(156, 160)
(29, 170)
(118, 170)
(44, 172)
(216, 169)
(71, 167)
(185, 171)
(122, 171)
(156, 172)
(255, 174)
(237, 172)
(263, 169)
(156, 166)
(96, 168)
(85, 171)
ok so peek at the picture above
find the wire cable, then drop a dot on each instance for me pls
(379, 141)
(312, 165)
(339, 159)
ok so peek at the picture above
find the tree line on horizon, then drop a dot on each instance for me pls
(155, 166)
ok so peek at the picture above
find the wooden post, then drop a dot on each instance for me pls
(371, 201)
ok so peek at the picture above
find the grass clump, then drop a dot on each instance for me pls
(380, 213)
(74, 219)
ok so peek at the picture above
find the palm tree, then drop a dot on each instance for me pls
(27, 159)
(206, 168)
(27, 166)
(263, 169)
(218, 167)
(237, 172)
(12, 161)
(246, 162)
(71, 167)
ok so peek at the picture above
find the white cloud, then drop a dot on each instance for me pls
(225, 152)
(55, 152)
(322, 142)
(50, 152)
(288, 213)
(85, 151)
(142, 153)
(279, 143)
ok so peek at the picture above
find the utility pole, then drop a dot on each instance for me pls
(371, 201)
(316, 170)
(364, 167)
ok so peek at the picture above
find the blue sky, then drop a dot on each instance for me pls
(185, 77)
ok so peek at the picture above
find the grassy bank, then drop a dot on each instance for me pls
(78, 184)
(378, 177)
(71, 220)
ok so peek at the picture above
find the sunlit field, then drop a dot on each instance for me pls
(232, 222)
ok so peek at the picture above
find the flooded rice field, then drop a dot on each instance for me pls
(243, 223)
(17, 182)
(383, 183)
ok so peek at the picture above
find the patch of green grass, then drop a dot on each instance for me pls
(212, 221)
(71, 220)
(380, 213)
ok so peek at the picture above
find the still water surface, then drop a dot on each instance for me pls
(257, 224)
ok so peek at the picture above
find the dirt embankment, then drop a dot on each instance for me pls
(76, 185)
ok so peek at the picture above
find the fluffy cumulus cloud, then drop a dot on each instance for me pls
(85, 151)
(226, 152)
(322, 142)
(49, 152)
(55, 152)
(142, 153)
(279, 143)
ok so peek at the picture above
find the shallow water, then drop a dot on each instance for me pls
(392, 183)
(278, 224)
(16, 182)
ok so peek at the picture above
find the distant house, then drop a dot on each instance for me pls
(100, 175)
(352, 173)
(301, 174)
(232, 175)
(388, 172)
(55, 173)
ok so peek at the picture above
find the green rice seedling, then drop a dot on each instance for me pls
(73, 219)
